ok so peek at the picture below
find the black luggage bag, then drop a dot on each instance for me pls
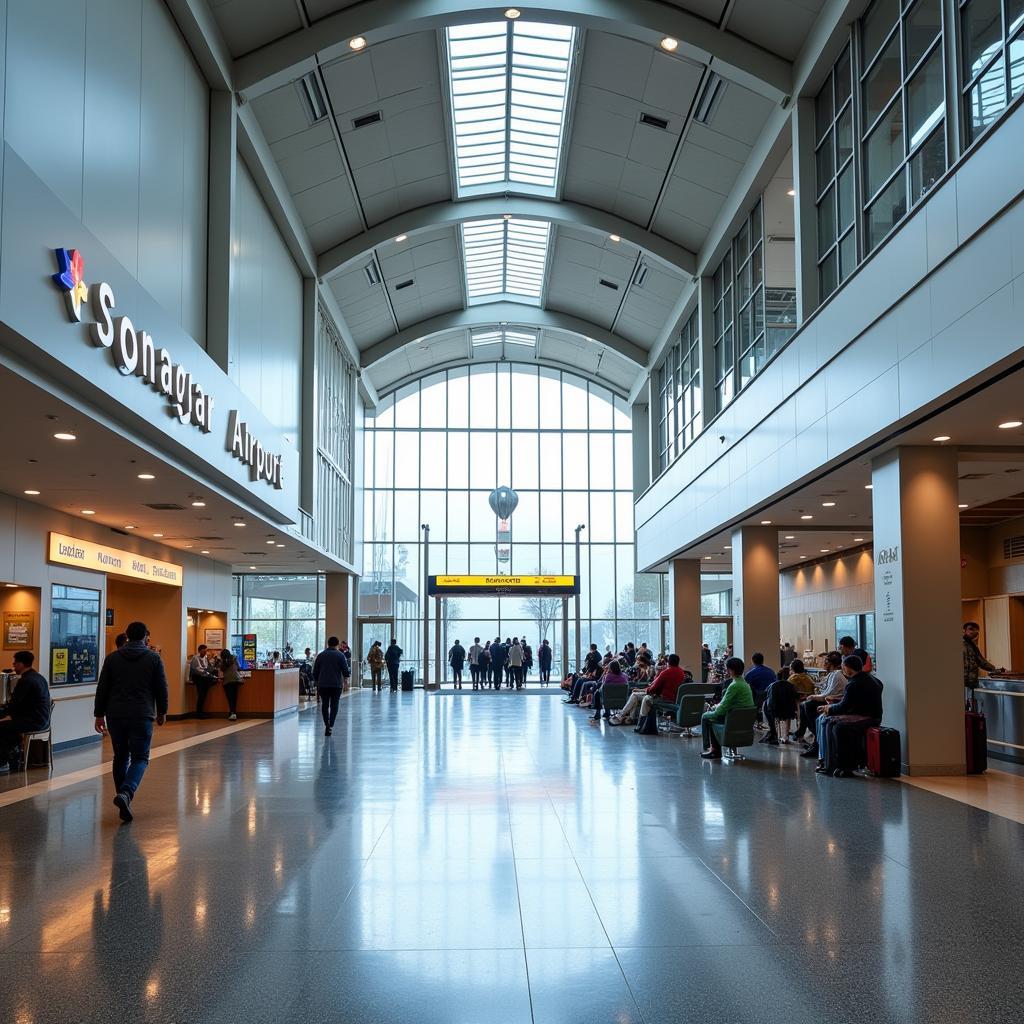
(977, 742)
(408, 678)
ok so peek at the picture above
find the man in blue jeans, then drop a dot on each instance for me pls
(130, 696)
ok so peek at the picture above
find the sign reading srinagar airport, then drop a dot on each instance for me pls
(135, 353)
(84, 554)
(489, 586)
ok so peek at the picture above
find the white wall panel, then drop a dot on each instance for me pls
(266, 312)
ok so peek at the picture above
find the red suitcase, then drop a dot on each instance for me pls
(883, 750)
(977, 742)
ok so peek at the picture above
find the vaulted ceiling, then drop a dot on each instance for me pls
(652, 144)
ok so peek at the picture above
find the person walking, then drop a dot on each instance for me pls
(544, 662)
(130, 696)
(28, 709)
(705, 663)
(231, 680)
(375, 659)
(457, 659)
(393, 658)
(202, 675)
(330, 670)
(474, 662)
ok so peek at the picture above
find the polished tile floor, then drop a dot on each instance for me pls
(451, 860)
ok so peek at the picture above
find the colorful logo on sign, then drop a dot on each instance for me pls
(69, 278)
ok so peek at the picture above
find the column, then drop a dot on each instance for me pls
(221, 225)
(641, 448)
(338, 611)
(684, 607)
(917, 605)
(755, 593)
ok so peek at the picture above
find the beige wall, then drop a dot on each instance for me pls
(812, 596)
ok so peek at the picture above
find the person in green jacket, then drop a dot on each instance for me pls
(737, 695)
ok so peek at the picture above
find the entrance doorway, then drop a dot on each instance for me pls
(716, 632)
(367, 631)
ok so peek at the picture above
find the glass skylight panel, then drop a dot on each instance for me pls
(509, 84)
(508, 335)
(505, 257)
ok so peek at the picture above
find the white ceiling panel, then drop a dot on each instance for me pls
(780, 27)
(647, 307)
(248, 24)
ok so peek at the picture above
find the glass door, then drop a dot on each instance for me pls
(367, 631)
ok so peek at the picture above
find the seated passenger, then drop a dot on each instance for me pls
(780, 706)
(801, 681)
(760, 677)
(862, 699)
(665, 685)
(737, 695)
(614, 675)
(28, 708)
(830, 688)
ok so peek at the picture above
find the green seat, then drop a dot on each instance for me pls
(614, 696)
(691, 699)
(736, 731)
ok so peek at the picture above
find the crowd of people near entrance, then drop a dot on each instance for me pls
(498, 662)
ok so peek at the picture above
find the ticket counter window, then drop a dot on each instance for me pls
(74, 635)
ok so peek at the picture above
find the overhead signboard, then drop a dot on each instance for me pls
(490, 586)
(84, 554)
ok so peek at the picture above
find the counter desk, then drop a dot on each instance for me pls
(1001, 698)
(264, 693)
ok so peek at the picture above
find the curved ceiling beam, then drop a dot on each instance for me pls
(570, 215)
(492, 313)
(733, 57)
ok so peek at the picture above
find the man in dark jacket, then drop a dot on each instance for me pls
(862, 699)
(28, 709)
(499, 652)
(330, 673)
(130, 695)
(544, 661)
(392, 659)
(457, 659)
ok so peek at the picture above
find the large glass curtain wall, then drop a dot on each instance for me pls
(280, 610)
(680, 417)
(992, 70)
(433, 453)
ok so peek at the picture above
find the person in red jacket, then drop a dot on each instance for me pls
(665, 686)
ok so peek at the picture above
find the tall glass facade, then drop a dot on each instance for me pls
(433, 453)
(280, 610)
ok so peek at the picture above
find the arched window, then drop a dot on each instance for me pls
(435, 450)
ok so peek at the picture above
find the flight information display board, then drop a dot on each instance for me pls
(494, 586)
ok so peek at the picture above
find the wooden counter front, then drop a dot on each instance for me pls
(266, 693)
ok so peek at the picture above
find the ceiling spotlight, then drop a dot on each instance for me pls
(941, 437)
(803, 556)
(1010, 424)
(11, 586)
(204, 552)
(31, 492)
(506, 216)
(157, 534)
(824, 551)
(707, 558)
(63, 435)
(728, 547)
(199, 504)
(146, 476)
(401, 238)
(252, 566)
(869, 487)
(270, 542)
(669, 44)
(615, 238)
(807, 517)
(963, 506)
(357, 43)
(88, 512)
(828, 504)
(280, 545)
(858, 540)
(790, 192)
(128, 526)
(512, 13)
(238, 523)
(789, 536)
(766, 522)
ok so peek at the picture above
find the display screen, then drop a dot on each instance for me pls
(491, 585)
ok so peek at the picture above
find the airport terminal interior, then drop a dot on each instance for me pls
(512, 515)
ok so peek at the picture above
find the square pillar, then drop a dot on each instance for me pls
(338, 602)
(684, 607)
(917, 605)
(755, 588)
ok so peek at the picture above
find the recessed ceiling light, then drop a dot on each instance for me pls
(270, 542)
(615, 238)
(31, 492)
(824, 551)
(506, 216)
(963, 506)
(239, 523)
(401, 238)
(869, 487)
(199, 504)
(858, 540)
(280, 545)
(64, 435)
(88, 512)
(790, 536)
(941, 437)
(11, 586)
(728, 547)
(707, 558)
(803, 556)
(512, 13)
(807, 517)
(157, 534)
(669, 44)
(766, 522)
(252, 566)
(128, 526)
(357, 43)
(1010, 424)
(204, 552)
(146, 476)
(828, 504)
(790, 192)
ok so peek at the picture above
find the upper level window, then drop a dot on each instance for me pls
(992, 45)
(505, 257)
(509, 83)
(679, 396)
(902, 92)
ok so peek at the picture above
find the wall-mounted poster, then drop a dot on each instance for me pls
(19, 631)
(59, 670)
(214, 638)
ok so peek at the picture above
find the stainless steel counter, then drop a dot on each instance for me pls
(1002, 700)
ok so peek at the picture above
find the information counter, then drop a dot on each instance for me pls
(1001, 698)
(264, 693)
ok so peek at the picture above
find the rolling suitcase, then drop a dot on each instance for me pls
(843, 750)
(883, 749)
(407, 680)
(977, 742)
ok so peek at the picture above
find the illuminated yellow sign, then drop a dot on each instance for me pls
(84, 554)
(503, 584)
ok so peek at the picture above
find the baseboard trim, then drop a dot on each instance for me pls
(934, 769)
(80, 742)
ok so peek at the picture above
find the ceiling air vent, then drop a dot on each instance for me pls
(367, 119)
(654, 121)
(1013, 547)
(164, 506)
(709, 99)
(975, 476)
(609, 284)
(404, 284)
(372, 274)
(640, 276)
(209, 538)
(312, 98)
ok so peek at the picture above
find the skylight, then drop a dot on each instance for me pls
(509, 82)
(508, 335)
(505, 257)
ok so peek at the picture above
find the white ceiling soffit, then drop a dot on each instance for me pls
(295, 52)
(504, 314)
(572, 215)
